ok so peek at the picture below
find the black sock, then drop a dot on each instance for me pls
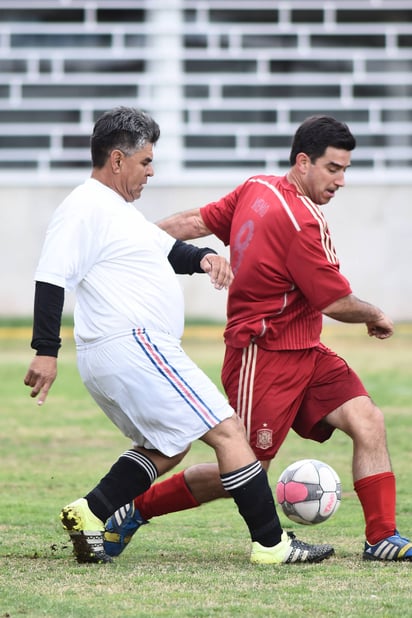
(250, 490)
(130, 476)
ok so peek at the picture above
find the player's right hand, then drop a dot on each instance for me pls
(40, 376)
(218, 269)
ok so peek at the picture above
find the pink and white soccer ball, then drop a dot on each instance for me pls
(309, 491)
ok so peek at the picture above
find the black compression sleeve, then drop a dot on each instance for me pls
(48, 308)
(185, 258)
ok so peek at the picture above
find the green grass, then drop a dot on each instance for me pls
(194, 563)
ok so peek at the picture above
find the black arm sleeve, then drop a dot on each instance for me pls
(185, 258)
(48, 308)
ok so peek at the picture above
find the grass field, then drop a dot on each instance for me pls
(195, 563)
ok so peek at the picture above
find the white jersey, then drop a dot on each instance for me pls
(103, 248)
(129, 317)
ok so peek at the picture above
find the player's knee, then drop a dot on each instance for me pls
(367, 424)
(228, 431)
(232, 429)
(374, 422)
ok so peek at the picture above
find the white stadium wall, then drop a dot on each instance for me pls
(371, 227)
(229, 82)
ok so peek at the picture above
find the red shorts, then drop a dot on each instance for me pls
(273, 391)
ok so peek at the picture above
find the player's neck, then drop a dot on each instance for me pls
(294, 179)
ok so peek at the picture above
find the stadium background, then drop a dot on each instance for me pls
(228, 82)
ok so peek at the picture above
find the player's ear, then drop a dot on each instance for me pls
(302, 162)
(116, 158)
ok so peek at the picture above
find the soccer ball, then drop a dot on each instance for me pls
(309, 491)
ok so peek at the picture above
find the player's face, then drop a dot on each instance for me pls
(324, 177)
(134, 172)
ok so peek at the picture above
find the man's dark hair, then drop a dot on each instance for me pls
(316, 133)
(123, 128)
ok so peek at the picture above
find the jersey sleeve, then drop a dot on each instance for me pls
(314, 267)
(218, 216)
(70, 248)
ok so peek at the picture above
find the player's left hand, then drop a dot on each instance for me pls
(218, 269)
(40, 376)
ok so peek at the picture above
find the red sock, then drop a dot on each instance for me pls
(166, 496)
(377, 495)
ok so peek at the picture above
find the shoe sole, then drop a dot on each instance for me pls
(372, 558)
(83, 541)
(324, 556)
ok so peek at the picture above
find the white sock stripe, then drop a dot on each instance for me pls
(249, 471)
(238, 478)
(230, 484)
(144, 462)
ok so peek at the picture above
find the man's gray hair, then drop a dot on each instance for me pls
(123, 128)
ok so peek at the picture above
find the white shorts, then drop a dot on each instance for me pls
(151, 390)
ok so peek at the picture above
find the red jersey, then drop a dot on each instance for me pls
(285, 265)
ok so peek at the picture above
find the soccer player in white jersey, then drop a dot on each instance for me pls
(128, 322)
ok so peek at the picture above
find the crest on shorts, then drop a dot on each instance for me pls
(264, 438)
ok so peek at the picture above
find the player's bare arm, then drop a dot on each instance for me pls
(189, 224)
(218, 269)
(353, 310)
(185, 225)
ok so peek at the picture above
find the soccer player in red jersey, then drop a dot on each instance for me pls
(276, 372)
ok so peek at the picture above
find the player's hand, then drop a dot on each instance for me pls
(381, 328)
(218, 269)
(40, 376)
